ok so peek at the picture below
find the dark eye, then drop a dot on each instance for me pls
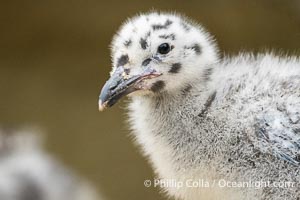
(164, 48)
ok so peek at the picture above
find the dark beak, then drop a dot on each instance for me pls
(120, 84)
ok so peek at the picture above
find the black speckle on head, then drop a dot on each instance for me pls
(185, 26)
(123, 60)
(127, 43)
(175, 68)
(158, 86)
(170, 36)
(196, 48)
(168, 22)
(146, 62)
(160, 26)
(157, 26)
(143, 43)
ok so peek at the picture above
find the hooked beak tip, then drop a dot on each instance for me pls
(101, 105)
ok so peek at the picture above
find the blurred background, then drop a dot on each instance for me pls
(54, 58)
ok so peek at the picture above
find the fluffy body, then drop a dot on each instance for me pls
(236, 119)
(250, 131)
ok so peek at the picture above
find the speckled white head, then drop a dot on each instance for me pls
(163, 51)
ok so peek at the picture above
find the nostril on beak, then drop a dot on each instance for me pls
(112, 87)
(114, 84)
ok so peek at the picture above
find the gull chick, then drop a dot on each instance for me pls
(199, 117)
